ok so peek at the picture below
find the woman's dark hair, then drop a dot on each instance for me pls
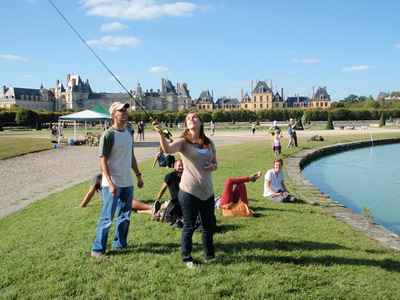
(203, 140)
(277, 160)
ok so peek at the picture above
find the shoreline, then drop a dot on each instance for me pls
(382, 235)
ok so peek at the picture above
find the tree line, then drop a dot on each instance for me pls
(26, 117)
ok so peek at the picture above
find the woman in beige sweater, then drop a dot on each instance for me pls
(196, 193)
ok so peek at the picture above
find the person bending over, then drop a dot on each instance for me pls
(274, 185)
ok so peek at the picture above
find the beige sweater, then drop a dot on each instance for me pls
(196, 180)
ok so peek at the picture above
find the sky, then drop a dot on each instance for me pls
(349, 46)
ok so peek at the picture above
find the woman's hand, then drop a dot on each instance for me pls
(210, 166)
(157, 127)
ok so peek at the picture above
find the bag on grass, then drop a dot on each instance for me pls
(236, 210)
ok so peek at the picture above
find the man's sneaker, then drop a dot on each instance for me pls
(190, 265)
(156, 207)
(99, 255)
(213, 260)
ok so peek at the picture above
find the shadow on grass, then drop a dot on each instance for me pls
(154, 248)
(226, 228)
(231, 249)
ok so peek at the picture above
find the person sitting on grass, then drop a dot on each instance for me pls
(233, 194)
(163, 160)
(138, 206)
(274, 185)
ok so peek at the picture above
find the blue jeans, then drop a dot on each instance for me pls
(122, 203)
(191, 206)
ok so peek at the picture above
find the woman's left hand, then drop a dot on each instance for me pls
(210, 166)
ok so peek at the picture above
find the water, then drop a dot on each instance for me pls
(362, 178)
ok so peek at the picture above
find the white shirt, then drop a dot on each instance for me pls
(276, 182)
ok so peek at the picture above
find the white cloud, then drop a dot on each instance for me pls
(113, 26)
(13, 57)
(306, 60)
(358, 68)
(113, 43)
(27, 76)
(159, 70)
(138, 9)
(397, 46)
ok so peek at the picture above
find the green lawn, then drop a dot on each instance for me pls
(14, 146)
(286, 251)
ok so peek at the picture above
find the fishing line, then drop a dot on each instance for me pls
(104, 65)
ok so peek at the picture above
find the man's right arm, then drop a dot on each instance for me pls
(162, 191)
(107, 174)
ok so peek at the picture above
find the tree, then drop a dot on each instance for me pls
(351, 98)
(382, 121)
(329, 124)
(26, 117)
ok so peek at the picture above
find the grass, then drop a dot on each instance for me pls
(10, 146)
(286, 251)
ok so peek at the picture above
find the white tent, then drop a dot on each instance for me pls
(83, 116)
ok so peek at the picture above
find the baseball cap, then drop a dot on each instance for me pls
(117, 106)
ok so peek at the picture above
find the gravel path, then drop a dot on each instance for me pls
(31, 177)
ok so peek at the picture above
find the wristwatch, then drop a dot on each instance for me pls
(138, 174)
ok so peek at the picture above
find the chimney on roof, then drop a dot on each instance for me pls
(241, 95)
(57, 82)
(4, 89)
(283, 99)
(252, 86)
(178, 87)
(73, 82)
(68, 78)
(158, 90)
(162, 83)
(185, 85)
(272, 90)
(212, 95)
(313, 94)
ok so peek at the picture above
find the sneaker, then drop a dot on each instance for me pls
(190, 265)
(256, 176)
(213, 260)
(99, 255)
(156, 207)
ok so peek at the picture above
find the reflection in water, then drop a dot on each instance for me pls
(362, 178)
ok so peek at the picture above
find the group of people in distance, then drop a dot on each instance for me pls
(277, 136)
(190, 184)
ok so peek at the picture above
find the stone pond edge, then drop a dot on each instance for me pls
(314, 196)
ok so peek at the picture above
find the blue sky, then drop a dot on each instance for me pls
(350, 46)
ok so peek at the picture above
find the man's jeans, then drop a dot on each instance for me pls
(191, 206)
(122, 203)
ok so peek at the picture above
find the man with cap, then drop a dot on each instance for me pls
(116, 160)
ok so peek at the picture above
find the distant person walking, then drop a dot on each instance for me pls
(253, 128)
(116, 160)
(212, 125)
(139, 132)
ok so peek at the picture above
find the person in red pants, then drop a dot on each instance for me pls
(233, 194)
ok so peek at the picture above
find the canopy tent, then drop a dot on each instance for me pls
(83, 116)
(101, 109)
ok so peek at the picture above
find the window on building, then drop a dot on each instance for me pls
(254, 105)
(245, 106)
(260, 105)
(261, 98)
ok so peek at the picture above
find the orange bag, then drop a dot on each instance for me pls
(236, 210)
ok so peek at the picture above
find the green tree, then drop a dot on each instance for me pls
(329, 124)
(26, 117)
(382, 121)
(351, 98)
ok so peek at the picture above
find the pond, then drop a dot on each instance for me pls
(362, 179)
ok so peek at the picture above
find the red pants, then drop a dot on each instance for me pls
(239, 192)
